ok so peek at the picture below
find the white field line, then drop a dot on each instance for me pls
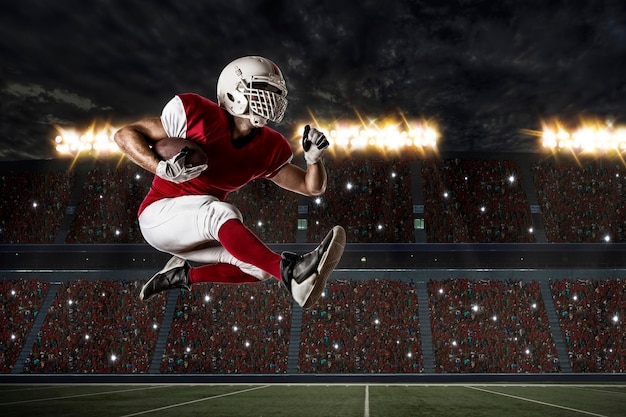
(81, 395)
(536, 402)
(194, 401)
(366, 411)
(600, 390)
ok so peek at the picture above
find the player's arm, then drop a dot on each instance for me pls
(312, 181)
(135, 140)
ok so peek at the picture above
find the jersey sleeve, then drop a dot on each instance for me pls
(174, 118)
(283, 155)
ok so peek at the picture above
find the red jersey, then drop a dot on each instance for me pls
(230, 165)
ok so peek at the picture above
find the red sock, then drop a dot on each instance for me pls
(220, 273)
(240, 242)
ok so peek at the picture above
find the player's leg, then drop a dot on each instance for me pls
(186, 227)
(304, 275)
(189, 227)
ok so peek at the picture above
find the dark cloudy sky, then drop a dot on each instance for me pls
(482, 69)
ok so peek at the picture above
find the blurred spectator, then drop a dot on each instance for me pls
(582, 201)
(362, 327)
(107, 212)
(97, 327)
(591, 314)
(490, 326)
(20, 301)
(475, 201)
(222, 328)
(33, 205)
(370, 198)
(268, 210)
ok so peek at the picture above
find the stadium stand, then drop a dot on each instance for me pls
(490, 326)
(363, 324)
(220, 328)
(475, 201)
(582, 201)
(33, 204)
(362, 327)
(20, 301)
(371, 198)
(107, 212)
(268, 210)
(591, 314)
(97, 327)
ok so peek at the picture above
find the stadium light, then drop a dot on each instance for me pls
(384, 135)
(591, 136)
(98, 142)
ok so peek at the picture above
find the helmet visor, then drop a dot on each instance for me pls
(267, 100)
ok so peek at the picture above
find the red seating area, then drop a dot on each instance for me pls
(107, 212)
(582, 202)
(592, 314)
(20, 301)
(33, 204)
(362, 327)
(490, 326)
(97, 327)
(219, 328)
(465, 200)
(370, 198)
(269, 211)
(475, 201)
(359, 326)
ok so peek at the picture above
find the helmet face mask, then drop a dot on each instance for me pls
(254, 88)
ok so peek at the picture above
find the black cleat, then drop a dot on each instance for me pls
(173, 275)
(305, 275)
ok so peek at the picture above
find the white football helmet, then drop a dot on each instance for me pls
(253, 87)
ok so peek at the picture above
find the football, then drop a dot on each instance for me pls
(169, 147)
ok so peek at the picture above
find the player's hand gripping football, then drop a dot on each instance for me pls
(314, 144)
(175, 169)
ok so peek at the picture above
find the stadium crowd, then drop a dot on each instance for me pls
(490, 326)
(371, 198)
(359, 326)
(475, 201)
(220, 328)
(107, 212)
(20, 302)
(362, 327)
(591, 314)
(583, 201)
(465, 200)
(270, 211)
(97, 326)
(33, 204)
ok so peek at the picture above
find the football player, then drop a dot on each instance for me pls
(185, 213)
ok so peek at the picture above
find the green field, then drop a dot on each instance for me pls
(373, 400)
